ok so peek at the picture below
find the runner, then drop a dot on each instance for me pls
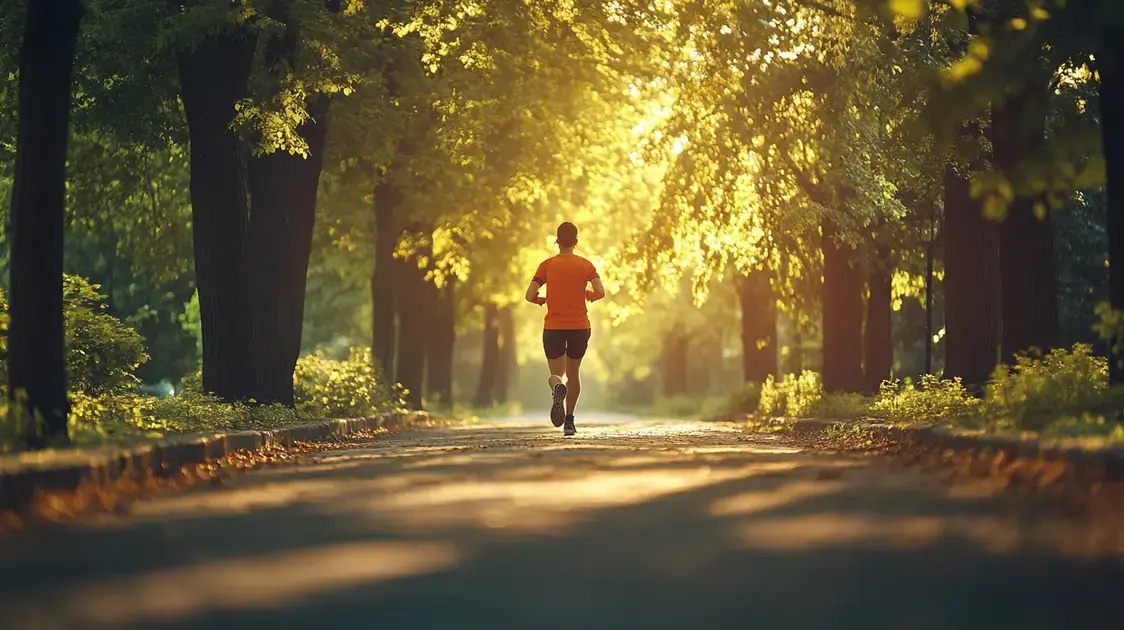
(565, 335)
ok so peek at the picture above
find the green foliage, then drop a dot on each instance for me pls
(933, 400)
(793, 397)
(1065, 392)
(133, 416)
(1039, 391)
(324, 389)
(102, 352)
(327, 388)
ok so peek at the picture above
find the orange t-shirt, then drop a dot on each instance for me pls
(566, 277)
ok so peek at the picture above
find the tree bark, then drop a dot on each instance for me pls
(415, 312)
(213, 77)
(384, 290)
(283, 192)
(508, 355)
(675, 353)
(439, 363)
(36, 350)
(759, 326)
(842, 317)
(283, 189)
(1028, 278)
(878, 338)
(971, 285)
(1110, 64)
(489, 367)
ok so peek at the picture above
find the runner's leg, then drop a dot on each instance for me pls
(573, 384)
(554, 345)
(576, 346)
(557, 370)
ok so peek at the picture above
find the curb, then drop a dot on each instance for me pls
(23, 475)
(1104, 463)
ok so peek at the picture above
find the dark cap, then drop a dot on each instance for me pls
(567, 234)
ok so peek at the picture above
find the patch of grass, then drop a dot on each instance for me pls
(324, 388)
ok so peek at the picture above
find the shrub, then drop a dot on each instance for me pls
(125, 416)
(1039, 391)
(841, 406)
(933, 400)
(327, 388)
(102, 352)
(792, 397)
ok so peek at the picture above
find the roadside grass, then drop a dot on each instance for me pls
(1063, 394)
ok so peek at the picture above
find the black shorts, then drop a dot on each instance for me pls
(572, 343)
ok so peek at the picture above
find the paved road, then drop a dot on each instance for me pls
(632, 524)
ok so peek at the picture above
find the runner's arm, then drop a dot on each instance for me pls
(533, 293)
(598, 291)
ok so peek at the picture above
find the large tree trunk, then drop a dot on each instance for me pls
(759, 326)
(384, 289)
(1027, 266)
(508, 354)
(879, 341)
(283, 191)
(439, 363)
(415, 312)
(213, 77)
(36, 352)
(971, 285)
(842, 317)
(489, 367)
(283, 213)
(1110, 64)
(675, 353)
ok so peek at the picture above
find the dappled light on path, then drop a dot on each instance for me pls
(645, 524)
(268, 581)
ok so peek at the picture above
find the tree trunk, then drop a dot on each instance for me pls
(489, 367)
(384, 290)
(36, 350)
(675, 353)
(508, 354)
(842, 317)
(879, 341)
(971, 285)
(283, 189)
(415, 311)
(759, 326)
(213, 77)
(1028, 277)
(439, 363)
(1110, 64)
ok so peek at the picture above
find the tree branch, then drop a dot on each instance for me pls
(814, 191)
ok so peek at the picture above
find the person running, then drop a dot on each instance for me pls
(566, 331)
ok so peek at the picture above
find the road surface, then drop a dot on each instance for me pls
(632, 524)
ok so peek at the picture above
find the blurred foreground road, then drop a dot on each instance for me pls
(632, 524)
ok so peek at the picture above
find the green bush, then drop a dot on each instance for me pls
(327, 388)
(102, 352)
(841, 406)
(933, 400)
(793, 397)
(1039, 391)
(1065, 392)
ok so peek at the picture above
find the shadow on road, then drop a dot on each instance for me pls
(632, 525)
